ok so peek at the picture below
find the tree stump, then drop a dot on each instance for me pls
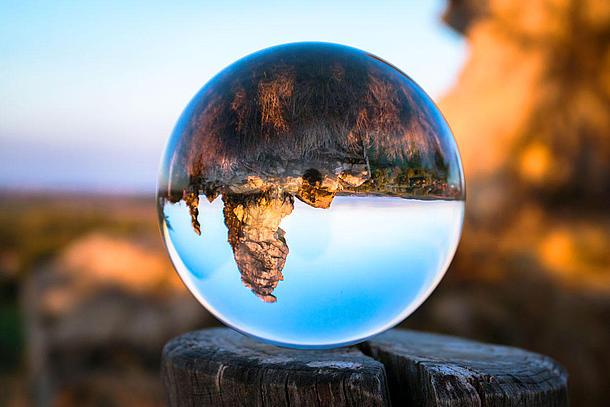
(220, 367)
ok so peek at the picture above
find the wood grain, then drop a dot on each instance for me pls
(437, 370)
(220, 367)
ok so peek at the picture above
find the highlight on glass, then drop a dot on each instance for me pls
(311, 195)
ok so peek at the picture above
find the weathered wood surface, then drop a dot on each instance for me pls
(219, 367)
(438, 370)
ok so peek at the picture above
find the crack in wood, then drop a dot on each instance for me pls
(398, 367)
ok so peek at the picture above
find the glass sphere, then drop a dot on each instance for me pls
(311, 195)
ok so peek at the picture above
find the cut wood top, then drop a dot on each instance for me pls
(221, 367)
(440, 370)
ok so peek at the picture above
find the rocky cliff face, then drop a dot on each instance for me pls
(192, 201)
(257, 241)
(254, 207)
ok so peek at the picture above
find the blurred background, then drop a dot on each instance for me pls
(90, 92)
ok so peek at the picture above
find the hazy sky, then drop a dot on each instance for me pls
(90, 90)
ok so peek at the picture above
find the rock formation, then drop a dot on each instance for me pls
(313, 191)
(257, 241)
(192, 201)
(254, 208)
(253, 217)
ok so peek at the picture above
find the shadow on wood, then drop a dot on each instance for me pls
(219, 367)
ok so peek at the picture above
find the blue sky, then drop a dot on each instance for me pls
(90, 90)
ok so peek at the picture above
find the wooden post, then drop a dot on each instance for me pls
(219, 367)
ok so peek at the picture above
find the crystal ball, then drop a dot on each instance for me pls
(311, 195)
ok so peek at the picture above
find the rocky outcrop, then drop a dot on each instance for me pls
(314, 195)
(257, 241)
(254, 206)
(192, 201)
